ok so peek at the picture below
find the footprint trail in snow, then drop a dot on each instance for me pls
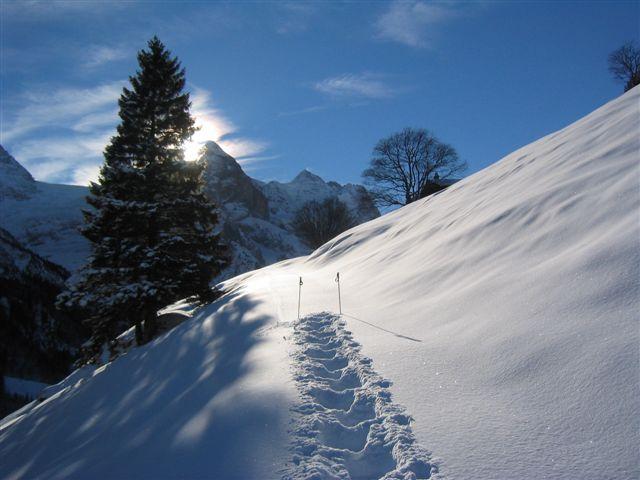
(347, 426)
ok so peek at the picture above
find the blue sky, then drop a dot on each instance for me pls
(290, 85)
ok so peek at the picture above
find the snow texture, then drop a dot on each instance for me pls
(46, 219)
(18, 262)
(503, 309)
(348, 427)
(19, 386)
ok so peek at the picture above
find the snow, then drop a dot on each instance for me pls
(15, 181)
(23, 387)
(502, 312)
(18, 262)
(47, 221)
(203, 395)
(347, 424)
(285, 199)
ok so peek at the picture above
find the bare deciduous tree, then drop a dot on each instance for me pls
(624, 65)
(402, 164)
(317, 223)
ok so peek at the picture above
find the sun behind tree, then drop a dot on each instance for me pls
(151, 227)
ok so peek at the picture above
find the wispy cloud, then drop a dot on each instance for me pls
(62, 158)
(43, 109)
(60, 135)
(356, 85)
(294, 17)
(43, 10)
(93, 121)
(412, 23)
(99, 55)
(302, 111)
(214, 125)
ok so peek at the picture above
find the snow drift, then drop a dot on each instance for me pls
(504, 311)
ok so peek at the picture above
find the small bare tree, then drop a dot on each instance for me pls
(402, 164)
(624, 65)
(318, 222)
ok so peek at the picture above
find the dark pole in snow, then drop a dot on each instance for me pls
(299, 294)
(339, 298)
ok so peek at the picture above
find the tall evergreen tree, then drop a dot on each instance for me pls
(151, 227)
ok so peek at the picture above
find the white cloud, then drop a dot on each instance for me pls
(52, 109)
(60, 135)
(214, 125)
(99, 55)
(352, 85)
(92, 121)
(302, 111)
(72, 159)
(85, 174)
(294, 17)
(412, 22)
(44, 10)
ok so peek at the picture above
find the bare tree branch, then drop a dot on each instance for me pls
(624, 65)
(404, 163)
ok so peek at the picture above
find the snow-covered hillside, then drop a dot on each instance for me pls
(44, 217)
(504, 311)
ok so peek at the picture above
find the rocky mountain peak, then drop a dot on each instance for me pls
(15, 181)
(305, 176)
(211, 148)
(228, 184)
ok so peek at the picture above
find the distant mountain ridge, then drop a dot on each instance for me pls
(256, 217)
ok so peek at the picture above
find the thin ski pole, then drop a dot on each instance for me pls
(299, 295)
(339, 298)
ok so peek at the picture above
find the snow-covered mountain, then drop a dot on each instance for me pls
(499, 318)
(15, 182)
(42, 216)
(17, 261)
(256, 217)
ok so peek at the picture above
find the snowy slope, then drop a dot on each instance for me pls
(18, 262)
(44, 217)
(504, 311)
(27, 388)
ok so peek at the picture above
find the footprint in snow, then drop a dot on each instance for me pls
(347, 426)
